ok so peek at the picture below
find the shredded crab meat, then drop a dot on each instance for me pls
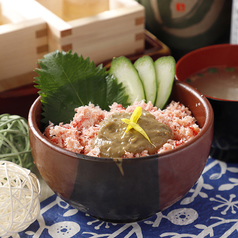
(79, 135)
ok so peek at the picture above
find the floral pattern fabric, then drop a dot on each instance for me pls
(208, 210)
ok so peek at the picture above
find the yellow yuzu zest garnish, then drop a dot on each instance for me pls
(132, 123)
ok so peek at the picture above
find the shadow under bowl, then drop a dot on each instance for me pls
(225, 141)
(149, 184)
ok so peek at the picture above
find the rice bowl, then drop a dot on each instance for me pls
(150, 184)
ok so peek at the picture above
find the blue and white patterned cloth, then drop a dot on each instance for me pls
(210, 209)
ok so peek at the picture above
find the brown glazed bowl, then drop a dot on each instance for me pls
(225, 141)
(149, 185)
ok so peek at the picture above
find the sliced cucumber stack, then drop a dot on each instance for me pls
(125, 72)
(146, 69)
(165, 72)
(146, 80)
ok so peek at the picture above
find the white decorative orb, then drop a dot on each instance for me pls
(19, 198)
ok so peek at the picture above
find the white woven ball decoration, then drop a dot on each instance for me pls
(19, 198)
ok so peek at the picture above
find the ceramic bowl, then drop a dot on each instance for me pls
(149, 185)
(225, 143)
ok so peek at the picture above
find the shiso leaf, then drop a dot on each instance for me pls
(67, 81)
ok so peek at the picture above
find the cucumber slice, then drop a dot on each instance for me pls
(125, 72)
(146, 69)
(165, 72)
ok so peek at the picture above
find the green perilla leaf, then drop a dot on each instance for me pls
(67, 81)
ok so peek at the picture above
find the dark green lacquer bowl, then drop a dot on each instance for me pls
(149, 185)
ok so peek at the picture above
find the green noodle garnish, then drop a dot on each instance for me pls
(14, 141)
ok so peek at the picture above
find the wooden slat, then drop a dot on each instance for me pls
(117, 32)
(17, 81)
(140, 20)
(21, 47)
(41, 33)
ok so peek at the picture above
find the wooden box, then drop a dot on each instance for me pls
(118, 31)
(22, 43)
(30, 30)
